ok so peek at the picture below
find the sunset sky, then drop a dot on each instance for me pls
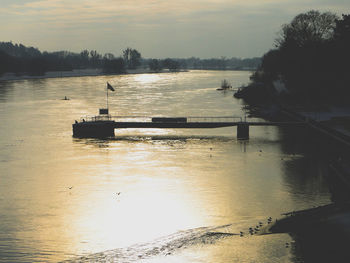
(157, 28)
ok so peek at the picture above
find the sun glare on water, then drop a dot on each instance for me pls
(146, 78)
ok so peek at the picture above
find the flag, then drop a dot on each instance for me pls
(109, 86)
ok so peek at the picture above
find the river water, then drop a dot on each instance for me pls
(147, 195)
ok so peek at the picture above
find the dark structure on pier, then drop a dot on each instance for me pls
(98, 129)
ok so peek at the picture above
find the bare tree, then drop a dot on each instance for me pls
(131, 57)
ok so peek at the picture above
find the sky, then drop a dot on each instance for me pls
(156, 28)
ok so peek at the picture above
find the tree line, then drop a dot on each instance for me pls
(310, 62)
(222, 63)
(19, 59)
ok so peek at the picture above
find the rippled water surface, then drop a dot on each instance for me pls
(146, 195)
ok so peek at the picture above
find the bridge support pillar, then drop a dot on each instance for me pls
(242, 131)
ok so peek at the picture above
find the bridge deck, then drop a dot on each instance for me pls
(104, 125)
(192, 125)
(179, 122)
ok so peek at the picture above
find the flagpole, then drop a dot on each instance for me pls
(109, 86)
(107, 97)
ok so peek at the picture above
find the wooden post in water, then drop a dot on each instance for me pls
(242, 131)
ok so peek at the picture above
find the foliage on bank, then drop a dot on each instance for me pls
(310, 62)
(19, 59)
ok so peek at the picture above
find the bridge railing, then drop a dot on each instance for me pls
(108, 117)
(214, 119)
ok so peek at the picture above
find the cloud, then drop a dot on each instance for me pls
(69, 12)
(203, 26)
(82, 10)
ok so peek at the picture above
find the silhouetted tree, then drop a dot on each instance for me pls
(312, 59)
(116, 65)
(155, 65)
(109, 56)
(7, 63)
(341, 56)
(19, 50)
(306, 29)
(95, 58)
(223, 61)
(23, 60)
(342, 29)
(170, 64)
(131, 57)
(84, 55)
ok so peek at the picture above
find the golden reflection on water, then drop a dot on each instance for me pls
(144, 79)
(165, 186)
(59, 195)
(138, 215)
(153, 200)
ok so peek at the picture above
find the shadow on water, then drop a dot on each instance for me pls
(321, 245)
(145, 138)
(310, 173)
(322, 237)
(152, 139)
(5, 86)
(175, 140)
(319, 233)
(339, 191)
(97, 142)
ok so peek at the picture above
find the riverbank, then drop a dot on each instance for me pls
(320, 234)
(76, 73)
(333, 119)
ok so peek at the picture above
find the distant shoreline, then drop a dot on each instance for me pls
(68, 74)
(91, 73)
(76, 73)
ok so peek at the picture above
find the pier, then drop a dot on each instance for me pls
(103, 125)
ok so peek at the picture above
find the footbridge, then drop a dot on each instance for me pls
(103, 125)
